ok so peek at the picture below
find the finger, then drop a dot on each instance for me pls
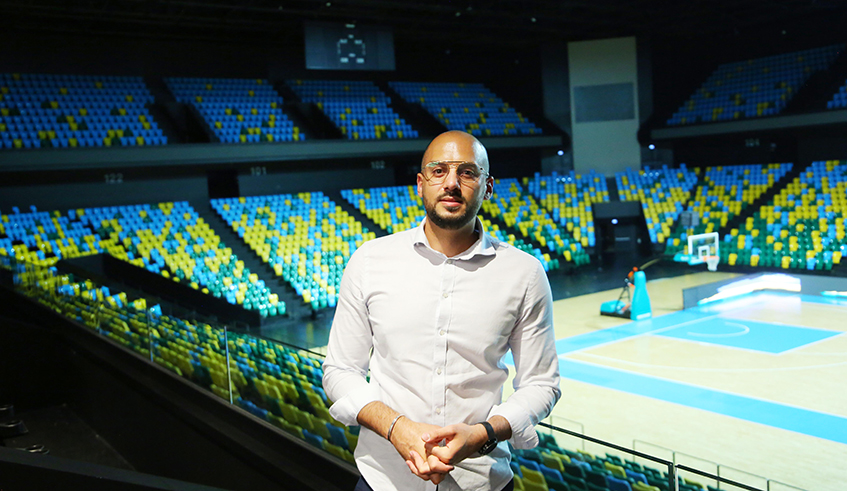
(420, 464)
(442, 454)
(415, 471)
(437, 478)
(437, 465)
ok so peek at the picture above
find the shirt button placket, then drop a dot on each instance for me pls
(439, 385)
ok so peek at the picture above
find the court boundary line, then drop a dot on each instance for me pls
(707, 369)
(705, 391)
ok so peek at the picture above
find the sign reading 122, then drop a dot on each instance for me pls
(351, 50)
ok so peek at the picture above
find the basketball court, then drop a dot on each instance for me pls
(749, 387)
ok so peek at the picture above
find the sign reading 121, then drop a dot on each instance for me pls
(351, 50)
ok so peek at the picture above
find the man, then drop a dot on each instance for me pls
(431, 312)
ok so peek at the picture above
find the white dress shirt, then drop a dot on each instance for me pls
(439, 328)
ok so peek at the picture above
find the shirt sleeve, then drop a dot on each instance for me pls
(348, 353)
(536, 379)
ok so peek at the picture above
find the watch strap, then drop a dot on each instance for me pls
(491, 443)
(489, 429)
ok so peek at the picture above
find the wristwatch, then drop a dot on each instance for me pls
(489, 445)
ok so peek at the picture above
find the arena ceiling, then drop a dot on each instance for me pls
(465, 22)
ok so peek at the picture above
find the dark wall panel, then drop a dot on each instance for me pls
(305, 181)
(66, 195)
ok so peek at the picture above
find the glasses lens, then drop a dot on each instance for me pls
(436, 172)
(466, 172)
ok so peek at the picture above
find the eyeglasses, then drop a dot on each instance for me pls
(468, 173)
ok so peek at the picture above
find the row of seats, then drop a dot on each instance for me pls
(466, 107)
(723, 193)
(306, 238)
(42, 111)
(839, 100)
(399, 208)
(65, 111)
(662, 193)
(237, 110)
(753, 88)
(550, 467)
(358, 108)
(802, 227)
(568, 198)
(279, 384)
(519, 211)
(167, 238)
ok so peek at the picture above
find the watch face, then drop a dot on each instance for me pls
(487, 447)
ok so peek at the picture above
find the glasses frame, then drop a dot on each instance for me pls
(454, 165)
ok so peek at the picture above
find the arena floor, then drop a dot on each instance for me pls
(754, 384)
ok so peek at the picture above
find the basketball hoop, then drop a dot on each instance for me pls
(712, 262)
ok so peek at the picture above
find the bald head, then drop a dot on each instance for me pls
(456, 145)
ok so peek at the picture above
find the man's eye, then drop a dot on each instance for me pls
(469, 174)
(437, 171)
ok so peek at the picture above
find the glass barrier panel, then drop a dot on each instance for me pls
(605, 466)
(781, 486)
(688, 477)
(563, 439)
(741, 477)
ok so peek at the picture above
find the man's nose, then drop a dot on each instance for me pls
(452, 179)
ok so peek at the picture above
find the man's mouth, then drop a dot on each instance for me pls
(450, 199)
(450, 203)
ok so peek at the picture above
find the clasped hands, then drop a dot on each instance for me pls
(431, 451)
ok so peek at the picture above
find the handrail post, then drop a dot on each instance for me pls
(228, 369)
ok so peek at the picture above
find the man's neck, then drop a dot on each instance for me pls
(448, 241)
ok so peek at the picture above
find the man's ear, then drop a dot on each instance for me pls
(420, 184)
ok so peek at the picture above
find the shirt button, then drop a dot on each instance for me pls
(438, 370)
(441, 332)
(438, 410)
(449, 261)
(445, 294)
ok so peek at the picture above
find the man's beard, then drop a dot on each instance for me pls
(451, 222)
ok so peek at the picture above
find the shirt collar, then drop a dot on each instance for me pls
(484, 245)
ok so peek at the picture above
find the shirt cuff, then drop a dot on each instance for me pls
(523, 429)
(346, 410)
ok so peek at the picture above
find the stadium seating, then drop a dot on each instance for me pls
(723, 193)
(398, 208)
(65, 111)
(839, 100)
(662, 193)
(279, 384)
(237, 110)
(803, 227)
(466, 107)
(753, 88)
(358, 108)
(520, 212)
(168, 238)
(393, 209)
(552, 467)
(306, 238)
(568, 199)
